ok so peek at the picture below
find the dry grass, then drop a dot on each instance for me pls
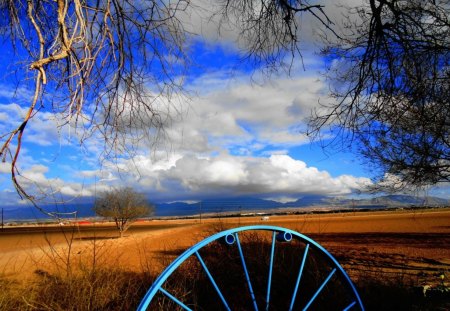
(63, 280)
(90, 270)
(100, 289)
(380, 289)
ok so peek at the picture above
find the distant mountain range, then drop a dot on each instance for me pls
(243, 204)
(237, 205)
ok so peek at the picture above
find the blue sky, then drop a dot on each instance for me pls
(237, 133)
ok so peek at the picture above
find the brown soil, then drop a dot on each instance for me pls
(412, 244)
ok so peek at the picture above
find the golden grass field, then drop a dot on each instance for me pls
(413, 244)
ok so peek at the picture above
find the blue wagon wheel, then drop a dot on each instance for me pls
(254, 267)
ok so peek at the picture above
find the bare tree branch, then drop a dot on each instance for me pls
(112, 67)
(391, 83)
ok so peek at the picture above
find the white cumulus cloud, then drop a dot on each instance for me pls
(277, 175)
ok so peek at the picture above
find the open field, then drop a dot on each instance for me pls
(411, 245)
(401, 239)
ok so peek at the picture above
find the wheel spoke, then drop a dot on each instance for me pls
(246, 272)
(169, 295)
(320, 289)
(229, 237)
(300, 272)
(350, 306)
(269, 282)
(212, 280)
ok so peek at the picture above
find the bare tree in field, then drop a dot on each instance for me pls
(123, 206)
(390, 78)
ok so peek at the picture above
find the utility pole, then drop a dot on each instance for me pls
(240, 212)
(2, 219)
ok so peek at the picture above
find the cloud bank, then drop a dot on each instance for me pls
(232, 138)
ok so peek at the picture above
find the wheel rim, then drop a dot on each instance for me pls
(231, 237)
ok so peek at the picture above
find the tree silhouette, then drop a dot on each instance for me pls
(390, 79)
(123, 206)
(111, 68)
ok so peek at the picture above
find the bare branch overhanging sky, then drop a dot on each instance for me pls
(237, 134)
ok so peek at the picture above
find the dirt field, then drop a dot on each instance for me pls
(414, 244)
